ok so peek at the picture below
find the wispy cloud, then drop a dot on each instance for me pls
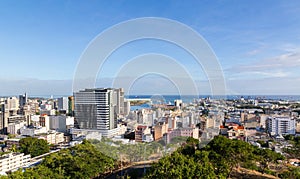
(278, 66)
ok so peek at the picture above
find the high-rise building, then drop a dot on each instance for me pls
(63, 103)
(118, 98)
(281, 125)
(12, 103)
(97, 109)
(71, 105)
(23, 100)
(3, 119)
(126, 108)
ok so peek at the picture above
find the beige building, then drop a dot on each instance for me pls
(12, 103)
(140, 133)
(159, 130)
(184, 132)
(52, 138)
(13, 161)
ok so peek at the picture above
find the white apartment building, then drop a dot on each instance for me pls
(281, 125)
(13, 161)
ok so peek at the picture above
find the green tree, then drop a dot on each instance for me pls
(267, 156)
(34, 146)
(292, 173)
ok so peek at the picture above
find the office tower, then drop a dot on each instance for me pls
(23, 100)
(63, 103)
(281, 125)
(95, 109)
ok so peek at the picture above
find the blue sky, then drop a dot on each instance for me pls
(257, 43)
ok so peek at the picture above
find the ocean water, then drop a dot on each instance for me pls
(169, 99)
(190, 98)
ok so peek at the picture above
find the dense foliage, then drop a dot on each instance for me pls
(33, 146)
(131, 152)
(216, 160)
(294, 151)
(81, 161)
(178, 165)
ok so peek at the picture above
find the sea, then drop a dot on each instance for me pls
(169, 99)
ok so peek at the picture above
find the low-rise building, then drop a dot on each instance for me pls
(14, 128)
(183, 132)
(52, 137)
(142, 133)
(12, 142)
(31, 131)
(13, 161)
(61, 123)
(86, 133)
(233, 131)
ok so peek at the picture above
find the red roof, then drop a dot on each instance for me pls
(144, 127)
(240, 127)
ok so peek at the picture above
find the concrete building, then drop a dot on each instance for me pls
(14, 128)
(52, 137)
(178, 103)
(126, 108)
(50, 112)
(32, 131)
(61, 123)
(86, 133)
(12, 103)
(118, 98)
(97, 109)
(281, 125)
(46, 107)
(141, 132)
(160, 129)
(233, 131)
(238, 132)
(13, 161)
(12, 142)
(3, 119)
(23, 100)
(183, 132)
(63, 103)
(45, 122)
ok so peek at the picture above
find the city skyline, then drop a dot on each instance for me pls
(257, 44)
